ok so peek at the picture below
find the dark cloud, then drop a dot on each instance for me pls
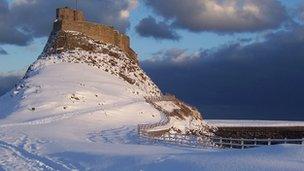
(221, 15)
(9, 34)
(262, 80)
(300, 13)
(148, 27)
(3, 7)
(2, 51)
(245, 40)
(8, 81)
(27, 19)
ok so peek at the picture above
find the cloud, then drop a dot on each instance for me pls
(8, 81)
(23, 20)
(300, 12)
(148, 27)
(225, 16)
(174, 56)
(2, 51)
(261, 80)
(9, 34)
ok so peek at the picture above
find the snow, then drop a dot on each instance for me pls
(114, 154)
(169, 106)
(75, 116)
(92, 137)
(253, 123)
(182, 125)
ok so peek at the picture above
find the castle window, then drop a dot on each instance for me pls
(75, 15)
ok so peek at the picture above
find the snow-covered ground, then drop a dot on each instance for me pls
(74, 116)
(253, 123)
(95, 129)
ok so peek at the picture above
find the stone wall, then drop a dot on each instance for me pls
(72, 20)
(261, 132)
(69, 14)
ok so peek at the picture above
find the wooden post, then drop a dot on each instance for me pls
(269, 141)
(175, 138)
(242, 143)
(221, 142)
(230, 142)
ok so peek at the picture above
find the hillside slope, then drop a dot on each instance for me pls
(80, 95)
(78, 107)
(75, 73)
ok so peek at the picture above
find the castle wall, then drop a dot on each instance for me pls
(68, 14)
(72, 20)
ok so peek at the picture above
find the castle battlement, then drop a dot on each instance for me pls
(68, 19)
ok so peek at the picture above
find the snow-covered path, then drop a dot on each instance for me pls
(67, 115)
(27, 159)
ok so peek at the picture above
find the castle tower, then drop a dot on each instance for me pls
(69, 14)
(68, 19)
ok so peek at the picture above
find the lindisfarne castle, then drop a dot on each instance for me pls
(68, 19)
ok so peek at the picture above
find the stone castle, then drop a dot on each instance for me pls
(68, 19)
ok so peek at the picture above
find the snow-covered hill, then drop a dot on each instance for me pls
(76, 74)
(82, 97)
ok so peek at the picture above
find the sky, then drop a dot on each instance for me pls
(230, 58)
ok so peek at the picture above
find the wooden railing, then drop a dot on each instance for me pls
(247, 143)
(145, 132)
(216, 142)
(143, 128)
(178, 139)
